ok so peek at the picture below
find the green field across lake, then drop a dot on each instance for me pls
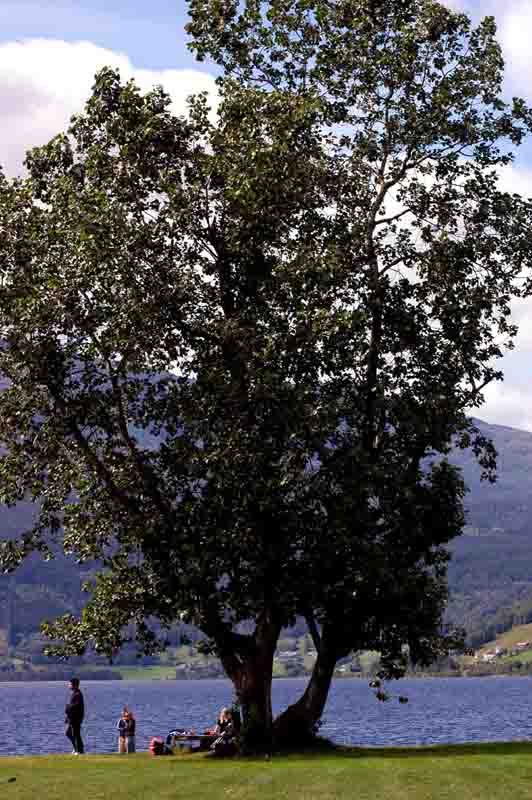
(452, 772)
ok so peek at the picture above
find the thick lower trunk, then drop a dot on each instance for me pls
(253, 690)
(251, 673)
(248, 661)
(298, 724)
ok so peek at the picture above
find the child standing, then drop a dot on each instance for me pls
(122, 726)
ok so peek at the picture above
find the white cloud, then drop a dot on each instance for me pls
(507, 404)
(455, 5)
(514, 34)
(516, 180)
(44, 81)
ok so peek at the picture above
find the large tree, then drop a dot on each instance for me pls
(239, 349)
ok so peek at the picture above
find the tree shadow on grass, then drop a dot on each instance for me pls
(325, 749)
(439, 751)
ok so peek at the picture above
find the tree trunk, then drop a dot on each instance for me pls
(251, 673)
(253, 690)
(297, 725)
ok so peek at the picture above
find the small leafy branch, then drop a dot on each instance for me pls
(382, 694)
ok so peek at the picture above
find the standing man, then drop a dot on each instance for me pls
(74, 713)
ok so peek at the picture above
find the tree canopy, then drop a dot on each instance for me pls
(240, 344)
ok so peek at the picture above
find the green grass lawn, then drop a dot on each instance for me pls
(520, 633)
(525, 657)
(155, 673)
(461, 772)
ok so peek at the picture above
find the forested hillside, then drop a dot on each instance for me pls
(490, 574)
(491, 567)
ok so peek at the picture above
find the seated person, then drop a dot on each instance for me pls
(226, 743)
(214, 732)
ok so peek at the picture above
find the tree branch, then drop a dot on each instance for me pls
(144, 471)
(313, 629)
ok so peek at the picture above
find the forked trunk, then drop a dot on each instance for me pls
(251, 673)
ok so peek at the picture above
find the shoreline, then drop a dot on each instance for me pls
(192, 678)
(323, 748)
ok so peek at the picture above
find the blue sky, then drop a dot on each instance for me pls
(151, 34)
(46, 73)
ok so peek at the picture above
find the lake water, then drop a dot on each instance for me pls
(439, 710)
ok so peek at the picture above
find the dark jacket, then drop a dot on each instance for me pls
(75, 710)
(227, 729)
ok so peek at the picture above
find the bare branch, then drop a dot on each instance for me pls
(313, 629)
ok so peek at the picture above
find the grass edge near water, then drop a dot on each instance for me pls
(323, 750)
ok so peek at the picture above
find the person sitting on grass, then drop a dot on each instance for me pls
(212, 733)
(226, 743)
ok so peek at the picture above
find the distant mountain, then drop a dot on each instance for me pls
(505, 506)
(491, 566)
(492, 562)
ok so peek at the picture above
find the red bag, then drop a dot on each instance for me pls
(156, 746)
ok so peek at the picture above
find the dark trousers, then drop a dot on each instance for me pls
(73, 732)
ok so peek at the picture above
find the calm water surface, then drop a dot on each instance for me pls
(440, 710)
